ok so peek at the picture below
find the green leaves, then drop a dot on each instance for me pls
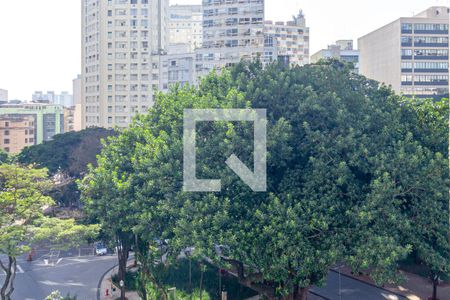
(23, 201)
(350, 169)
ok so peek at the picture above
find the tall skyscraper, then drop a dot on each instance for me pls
(232, 30)
(123, 42)
(410, 54)
(186, 25)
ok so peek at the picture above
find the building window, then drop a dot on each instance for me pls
(6, 141)
(6, 124)
(6, 132)
(406, 41)
(6, 149)
(406, 28)
(430, 41)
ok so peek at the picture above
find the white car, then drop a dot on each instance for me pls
(100, 249)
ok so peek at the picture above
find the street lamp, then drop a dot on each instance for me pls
(340, 282)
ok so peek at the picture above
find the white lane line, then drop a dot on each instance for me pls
(19, 270)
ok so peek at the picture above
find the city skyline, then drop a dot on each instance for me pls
(48, 56)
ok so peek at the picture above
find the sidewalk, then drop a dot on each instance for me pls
(414, 288)
(107, 284)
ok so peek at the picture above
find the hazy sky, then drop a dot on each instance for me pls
(40, 39)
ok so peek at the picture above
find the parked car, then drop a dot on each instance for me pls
(100, 249)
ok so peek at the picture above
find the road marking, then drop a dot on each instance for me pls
(59, 261)
(46, 261)
(19, 270)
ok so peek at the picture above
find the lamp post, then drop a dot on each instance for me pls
(340, 282)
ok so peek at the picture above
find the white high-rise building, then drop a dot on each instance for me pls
(410, 54)
(232, 30)
(186, 25)
(123, 42)
(3, 95)
(287, 41)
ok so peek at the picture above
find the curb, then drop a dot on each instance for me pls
(320, 296)
(101, 280)
(371, 284)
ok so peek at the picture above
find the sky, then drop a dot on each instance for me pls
(40, 40)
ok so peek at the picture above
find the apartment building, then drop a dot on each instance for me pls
(186, 25)
(180, 64)
(16, 133)
(342, 50)
(77, 116)
(69, 119)
(232, 30)
(288, 41)
(123, 44)
(48, 119)
(3, 95)
(411, 54)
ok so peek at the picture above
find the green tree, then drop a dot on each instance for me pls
(69, 152)
(3, 156)
(424, 190)
(22, 220)
(108, 194)
(67, 155)
(337, 144)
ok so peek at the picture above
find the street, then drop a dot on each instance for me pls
(80, 275)
(352, 289)
(63, 271)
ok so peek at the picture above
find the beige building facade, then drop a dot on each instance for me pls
(287, 40)
(16, 133)
(410, 54)
(123, 42)
(232, 30)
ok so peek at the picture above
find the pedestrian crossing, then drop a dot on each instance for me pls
(18, 271)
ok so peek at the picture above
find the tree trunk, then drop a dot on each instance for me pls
(190, 276)
(122, 255)
(201, 281)
(8, 286)
(435, 283)
(153, 280)
(300, 293)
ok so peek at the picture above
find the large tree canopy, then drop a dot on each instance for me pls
(347, 164)
(69, 152)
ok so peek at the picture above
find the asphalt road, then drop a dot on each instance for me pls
(347, 288)
(68, 273)
(65, 272)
